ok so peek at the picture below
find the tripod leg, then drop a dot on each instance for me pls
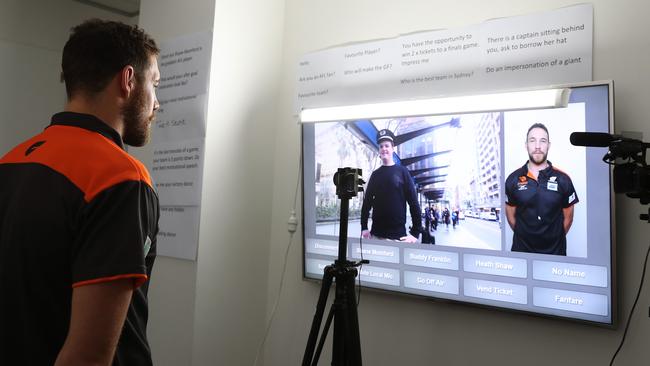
(353, 324)
(340, 324)
(346, 345)
(318, 316)
(323, 336)
(353, 345)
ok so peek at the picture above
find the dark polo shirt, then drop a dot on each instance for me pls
(539, 225)
(75, 210)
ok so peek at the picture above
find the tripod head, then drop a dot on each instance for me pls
(628, 156)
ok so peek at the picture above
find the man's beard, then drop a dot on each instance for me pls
(136, 120)
(537, 161)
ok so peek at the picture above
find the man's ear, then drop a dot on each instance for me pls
(127, 80)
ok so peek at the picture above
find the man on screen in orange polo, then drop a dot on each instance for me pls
(540, 199)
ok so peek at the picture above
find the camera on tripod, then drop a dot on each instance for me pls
(346, 345)
(628, 156)
(348, 182)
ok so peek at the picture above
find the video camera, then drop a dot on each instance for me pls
(348, 182)
(631, 173)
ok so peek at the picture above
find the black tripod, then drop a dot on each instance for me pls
(346, 346)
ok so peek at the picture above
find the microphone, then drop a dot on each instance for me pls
(619, 146)
(598, 139)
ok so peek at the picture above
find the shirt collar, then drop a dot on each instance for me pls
(524, 169)
(88, 122)
(548, 169)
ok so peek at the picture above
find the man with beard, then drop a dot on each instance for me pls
(79, 216)
(540, 200)
(389, 188)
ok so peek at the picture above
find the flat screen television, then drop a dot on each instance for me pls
(459, 165)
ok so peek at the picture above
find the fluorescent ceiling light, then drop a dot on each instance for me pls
(510, 101)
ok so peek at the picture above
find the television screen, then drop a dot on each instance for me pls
(503, 211)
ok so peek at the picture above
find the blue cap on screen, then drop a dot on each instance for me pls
(385, 134)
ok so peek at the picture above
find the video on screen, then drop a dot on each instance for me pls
(497, 209)
(458, 188)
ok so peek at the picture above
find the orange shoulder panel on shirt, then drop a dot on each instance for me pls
(138, 280)
(561, 171)
(91, 161)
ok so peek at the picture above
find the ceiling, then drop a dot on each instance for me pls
(129, 8)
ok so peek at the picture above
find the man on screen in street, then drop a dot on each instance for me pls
(540, 199)
(389, 188)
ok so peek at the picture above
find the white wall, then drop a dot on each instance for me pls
(235, 226)
(173, 282)
(212, 311)
(32, 35)
(401, 330)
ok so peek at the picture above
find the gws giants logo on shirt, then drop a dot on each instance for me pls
(34, 146)
(523, 183)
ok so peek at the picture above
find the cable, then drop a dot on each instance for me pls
(295, 196)
(360, 263)
(360, 268)
(284, 266)
(277, 301)
(636, 300)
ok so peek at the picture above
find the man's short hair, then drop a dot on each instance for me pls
(538, 125)
(98, 49)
